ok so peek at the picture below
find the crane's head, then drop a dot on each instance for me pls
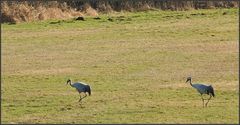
(68, 81)
(188, 79)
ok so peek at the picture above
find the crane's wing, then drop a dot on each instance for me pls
(79, 86)
(204, 89)
(201, 88)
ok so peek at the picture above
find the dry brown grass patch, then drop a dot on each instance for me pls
(25, 12)
(89, 11)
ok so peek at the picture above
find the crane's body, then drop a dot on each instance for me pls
(202, 89)
(81, 88)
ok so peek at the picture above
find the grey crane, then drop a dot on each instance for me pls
(202, 89)
(81, 88)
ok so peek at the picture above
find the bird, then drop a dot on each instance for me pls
(80, 18)
(110, 19)
(81, 88)
(202, 89)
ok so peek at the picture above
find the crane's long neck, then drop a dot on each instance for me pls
(190, 81)
(70, 82)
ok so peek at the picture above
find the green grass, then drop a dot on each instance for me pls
(136, 65)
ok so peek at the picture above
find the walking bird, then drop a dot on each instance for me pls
(81, 88)
(202, 89)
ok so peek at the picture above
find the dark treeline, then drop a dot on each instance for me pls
(131, 5)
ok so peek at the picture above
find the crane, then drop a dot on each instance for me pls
(202, 89)
(81, 88)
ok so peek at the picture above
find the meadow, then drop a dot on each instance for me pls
(136, 66)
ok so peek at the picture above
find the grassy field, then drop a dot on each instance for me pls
(136, 65)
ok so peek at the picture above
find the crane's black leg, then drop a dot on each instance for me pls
(80, 97)
(84, 96)
(208, 100)
(202, 100)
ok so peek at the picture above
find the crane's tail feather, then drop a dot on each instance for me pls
(212, 91)
(89, 90)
